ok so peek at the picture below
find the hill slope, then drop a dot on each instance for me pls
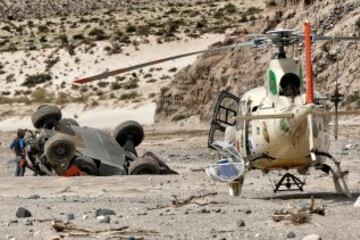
(195, 88)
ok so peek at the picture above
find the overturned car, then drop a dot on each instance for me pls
(59, 146)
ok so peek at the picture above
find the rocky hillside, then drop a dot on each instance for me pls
(24, 9)
(195, 88)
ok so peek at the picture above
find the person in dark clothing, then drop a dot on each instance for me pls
(18, 146)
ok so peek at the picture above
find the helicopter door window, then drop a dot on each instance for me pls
(290, 85)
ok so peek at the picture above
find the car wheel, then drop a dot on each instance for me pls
(143, 166)
(59, 150)
(46, 115)
(129, 130)
(69, 122)
(86, 165)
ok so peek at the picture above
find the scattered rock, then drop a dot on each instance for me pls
(70, 216)
(84, 217)
(35, 196)
(291, 234)
(204, 210)
(103, 219)
(104, 212)
(248, 211)
(312, 237)
(131, 238)
(23, 213)
(240, 223)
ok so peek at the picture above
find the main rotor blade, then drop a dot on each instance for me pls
(315, 37)
(142, 65)
(334, 38)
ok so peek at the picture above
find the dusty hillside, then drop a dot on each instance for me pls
(23, 9)
(195, 88)
(46, 45)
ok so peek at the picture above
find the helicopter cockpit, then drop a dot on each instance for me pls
(290, 85)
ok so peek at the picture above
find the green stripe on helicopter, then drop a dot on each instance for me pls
(272, 83)
(301, 75)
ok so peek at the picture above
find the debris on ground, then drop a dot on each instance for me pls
(190, 200)
(312, 237)
(66, 229)
(298, 214)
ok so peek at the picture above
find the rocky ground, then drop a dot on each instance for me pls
(144, 203)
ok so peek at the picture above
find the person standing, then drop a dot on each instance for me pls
(18, 146)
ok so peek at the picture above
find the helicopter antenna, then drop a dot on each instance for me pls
(336, 98)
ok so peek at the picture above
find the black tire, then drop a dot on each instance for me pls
(69, 122)
(86, 165)
(59, 150)
(129, 130)
(44, 115)
(144, 166)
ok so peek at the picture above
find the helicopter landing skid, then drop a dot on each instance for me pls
(290, 182)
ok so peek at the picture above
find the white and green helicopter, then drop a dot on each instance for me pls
(280, 125)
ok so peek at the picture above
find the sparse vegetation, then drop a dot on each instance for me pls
(131, 29)
(179, 117)
(33, 80)
(174, 69)
(41, 95)
(10, 78)
(129, 96)
(131, 84)
(50, 62)
(115, 86)
(62, 98)
(98, 34)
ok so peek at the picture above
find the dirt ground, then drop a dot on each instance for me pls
(140, 201)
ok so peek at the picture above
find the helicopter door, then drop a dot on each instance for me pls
(243, 127)
(224, 115)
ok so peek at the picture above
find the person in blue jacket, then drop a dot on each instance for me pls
(18, 146)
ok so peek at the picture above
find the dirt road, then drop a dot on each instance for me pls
(144, 203)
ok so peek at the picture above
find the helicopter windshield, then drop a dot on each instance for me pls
(290, 85)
